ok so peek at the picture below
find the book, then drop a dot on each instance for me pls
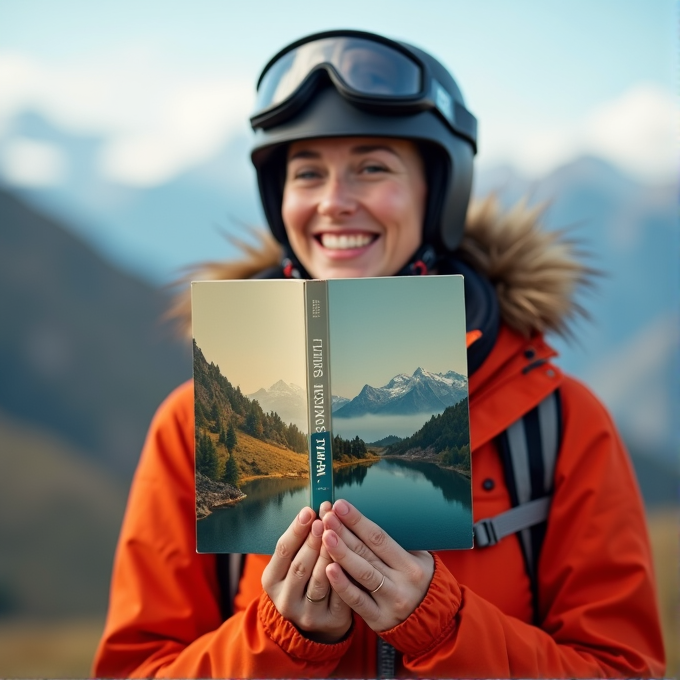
(307, 391)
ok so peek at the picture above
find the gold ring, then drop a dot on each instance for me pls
(321, 599)
(375, 590)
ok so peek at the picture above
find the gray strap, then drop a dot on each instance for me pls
(519, 452)
(548, 421)
(517, 441)
(489, 531)
(235, 564)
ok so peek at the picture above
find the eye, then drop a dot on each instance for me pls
(304, 174)
(373, 168)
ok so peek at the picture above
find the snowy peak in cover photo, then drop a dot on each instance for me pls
(422, 392)
(286, 399)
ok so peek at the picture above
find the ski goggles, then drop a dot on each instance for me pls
(370, 71)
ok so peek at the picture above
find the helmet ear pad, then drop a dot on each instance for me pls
(271, 180)
(457, 194)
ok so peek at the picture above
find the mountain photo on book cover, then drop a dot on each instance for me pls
(399, 384)
(251, 441)
(397, 411)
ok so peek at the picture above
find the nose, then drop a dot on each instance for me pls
(337, 199)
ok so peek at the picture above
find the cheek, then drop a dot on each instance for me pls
(402, 210)
(288, 210)
(295, 213)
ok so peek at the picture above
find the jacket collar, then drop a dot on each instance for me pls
(515, 377)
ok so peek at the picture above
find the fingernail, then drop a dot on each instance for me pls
(317, 528)
(341, 508)
(330, 539)
(305, 516)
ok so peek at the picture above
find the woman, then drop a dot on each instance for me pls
(364, 154)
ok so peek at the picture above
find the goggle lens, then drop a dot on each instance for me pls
(367, 67)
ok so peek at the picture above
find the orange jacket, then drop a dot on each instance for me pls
(597, 597)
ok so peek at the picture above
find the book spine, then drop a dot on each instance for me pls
(319, 394)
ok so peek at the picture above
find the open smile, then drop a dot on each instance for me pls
(351, 241)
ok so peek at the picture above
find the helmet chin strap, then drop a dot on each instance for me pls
(422, 262)
(292, 269)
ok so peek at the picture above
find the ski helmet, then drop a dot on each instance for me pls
(347, 83)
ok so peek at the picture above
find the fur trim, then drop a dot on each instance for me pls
(535, 272)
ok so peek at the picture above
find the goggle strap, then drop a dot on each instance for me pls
(466, 125)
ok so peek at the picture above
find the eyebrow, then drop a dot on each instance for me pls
(370, 148)
(355, 150)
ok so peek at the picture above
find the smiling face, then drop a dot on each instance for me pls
(354, 206)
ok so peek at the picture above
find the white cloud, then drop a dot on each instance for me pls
(156, 122)
(638, 132)
(28, 163)
(196, 120)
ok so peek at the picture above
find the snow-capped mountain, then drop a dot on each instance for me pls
(286, 399)
(338, 402)
(422, 392)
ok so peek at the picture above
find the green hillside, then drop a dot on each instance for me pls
(445, 436)
(236, 439)
(219, 403)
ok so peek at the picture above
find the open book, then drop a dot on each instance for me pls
(308, 391)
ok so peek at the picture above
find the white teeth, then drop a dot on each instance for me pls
(345, 241)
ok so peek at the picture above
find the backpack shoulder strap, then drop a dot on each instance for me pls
(529, 449)
(229, 570)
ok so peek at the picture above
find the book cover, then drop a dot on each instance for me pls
(308, 391)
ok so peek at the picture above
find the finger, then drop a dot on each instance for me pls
(324, 508)
(318, 586)
(296, 583)
(287, 546)
(353, 596)
(364, 573)
(357, 546)
(376, 539)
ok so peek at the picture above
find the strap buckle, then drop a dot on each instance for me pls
(485, 533)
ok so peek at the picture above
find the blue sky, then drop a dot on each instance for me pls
(545, 78)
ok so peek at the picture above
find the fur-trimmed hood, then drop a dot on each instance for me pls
(535, 272)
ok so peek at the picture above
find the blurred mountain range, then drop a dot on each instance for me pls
(627, 352)
(151, 232)
(84, 362)
(85, 358)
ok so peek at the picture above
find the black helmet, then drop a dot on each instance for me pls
(351, 83)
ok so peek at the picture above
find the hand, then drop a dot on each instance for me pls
(296, 582)
(389, 582)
